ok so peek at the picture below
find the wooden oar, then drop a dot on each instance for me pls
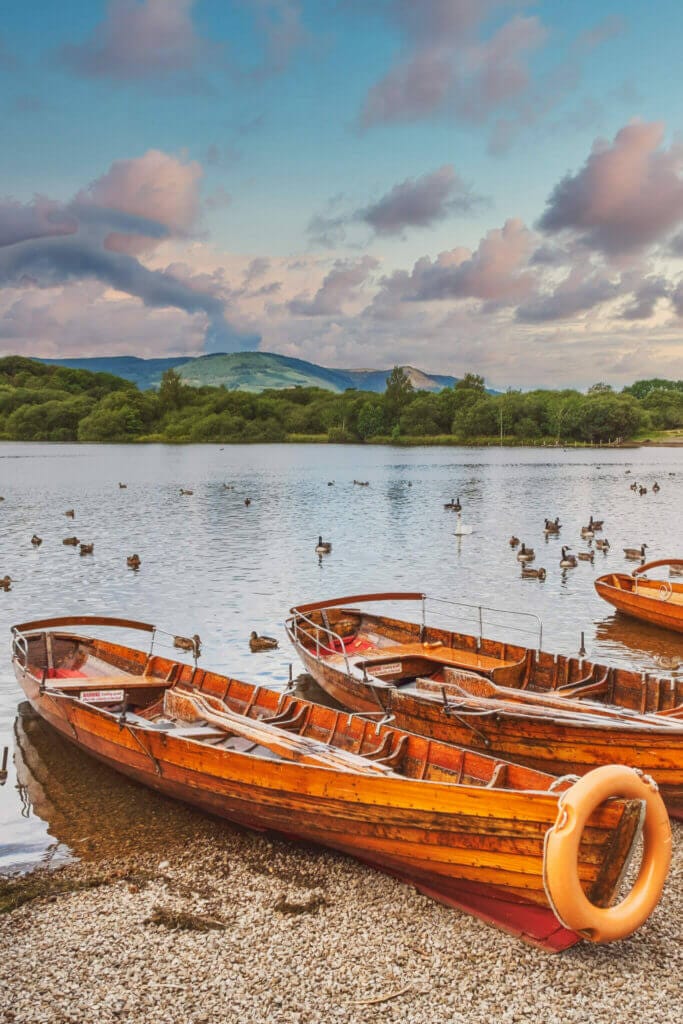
(192, 707)
(536, 703)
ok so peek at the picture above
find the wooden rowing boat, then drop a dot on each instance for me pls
(469, 829)
(555, 713)
(659, 601)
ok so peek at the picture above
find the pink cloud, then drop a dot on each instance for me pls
(453, 60)
(139, 40)
(146, 40)
(157, 186)
(628, 194)
(340, 286)
(496, 272)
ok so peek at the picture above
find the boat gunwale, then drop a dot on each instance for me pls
(615, 715)
(394, 779)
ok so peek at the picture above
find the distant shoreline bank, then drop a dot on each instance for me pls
(406, 442)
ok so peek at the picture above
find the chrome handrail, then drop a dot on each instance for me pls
(296, 629)
(480, 610)
(19, 646)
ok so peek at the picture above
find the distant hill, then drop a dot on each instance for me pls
(249, 371)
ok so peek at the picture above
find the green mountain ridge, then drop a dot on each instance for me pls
(248, 371)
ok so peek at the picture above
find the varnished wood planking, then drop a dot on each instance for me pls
(443, 837)
(552, 743)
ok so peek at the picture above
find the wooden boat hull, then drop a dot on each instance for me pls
(653, 601)
(548, 744)
(557, 742)
(464, 871)
(477, 847)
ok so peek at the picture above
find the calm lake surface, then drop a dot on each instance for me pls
(213, 566)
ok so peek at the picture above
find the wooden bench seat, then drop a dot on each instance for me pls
(455, 656)
(86, 683)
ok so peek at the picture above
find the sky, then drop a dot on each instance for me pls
(458, 185)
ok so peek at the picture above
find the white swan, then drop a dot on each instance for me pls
(460, 529)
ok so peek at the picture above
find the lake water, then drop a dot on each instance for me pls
(213, 566)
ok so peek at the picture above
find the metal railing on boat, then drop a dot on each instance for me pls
(296, 629)
(19, 642)
(483, 623)
(480, 616)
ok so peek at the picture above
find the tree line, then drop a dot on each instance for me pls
(54, 403)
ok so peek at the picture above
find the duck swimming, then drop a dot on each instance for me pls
(87, 549)
(262, 643)
(133, 561)
(533, 574)
(183, 643)
(36, 540)
(514, 541)
(71, 541)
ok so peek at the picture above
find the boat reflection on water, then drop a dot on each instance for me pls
(651, 648)
(90, 810)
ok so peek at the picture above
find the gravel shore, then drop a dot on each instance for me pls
(236, 926)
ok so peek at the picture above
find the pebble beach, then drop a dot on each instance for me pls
(239, 926)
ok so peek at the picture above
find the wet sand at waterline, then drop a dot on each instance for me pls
(294, 933)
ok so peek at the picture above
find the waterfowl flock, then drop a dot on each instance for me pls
(524, 551)
(134, 561)
(570, 559)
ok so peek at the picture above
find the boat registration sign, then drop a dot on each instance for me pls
(392, 668)
(102, 696)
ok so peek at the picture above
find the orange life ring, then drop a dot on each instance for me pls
(560, 858)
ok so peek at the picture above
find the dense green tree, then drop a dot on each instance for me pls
(642, 388)
(470, 382)
(172, 391)
(399, 391)
(665, 407)
(421, 417)
(40, 402)
(370, 419)
(476, 419)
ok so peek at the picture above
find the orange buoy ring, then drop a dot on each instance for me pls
(560, 857)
